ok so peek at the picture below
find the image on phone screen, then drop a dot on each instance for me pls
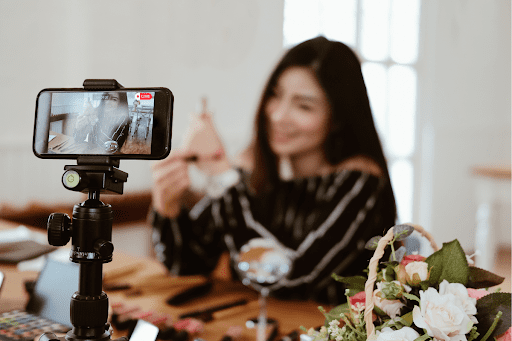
(101, 123)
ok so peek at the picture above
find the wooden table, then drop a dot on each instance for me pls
(155, 285)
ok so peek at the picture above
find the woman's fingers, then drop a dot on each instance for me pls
(176, 155)
(171, 170)
(171, 179)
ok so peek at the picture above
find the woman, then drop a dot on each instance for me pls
(315, 115)
(106, 126)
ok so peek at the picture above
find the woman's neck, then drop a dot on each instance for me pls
(309, 165)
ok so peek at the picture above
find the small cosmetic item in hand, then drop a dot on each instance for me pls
(217, 155)
(203, 142)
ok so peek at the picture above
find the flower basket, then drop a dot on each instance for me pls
(372, 275)
(414, 298)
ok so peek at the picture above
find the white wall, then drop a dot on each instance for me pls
(465, 111)
(221, 49)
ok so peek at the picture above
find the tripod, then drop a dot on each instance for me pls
(91, 233)
(90, 230)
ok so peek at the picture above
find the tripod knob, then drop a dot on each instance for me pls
(104, 248)
(59, 229)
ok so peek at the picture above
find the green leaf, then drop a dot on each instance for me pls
(335, 313)
(353, 282)
(493, 326)
(422, 337)
(435, 265)
(372, 243)
(389, 273)
(480, 278)
(411, 297)
(449, 263)
(351, 292)
(487, 308)
(402, 231)
(408, 319)
(398, 255)
(424, 285)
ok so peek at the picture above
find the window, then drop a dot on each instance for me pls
(385, 35)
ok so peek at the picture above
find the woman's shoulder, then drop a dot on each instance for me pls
(360, 163)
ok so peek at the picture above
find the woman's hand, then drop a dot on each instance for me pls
(171, 180)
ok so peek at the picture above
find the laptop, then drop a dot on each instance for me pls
(48, 309)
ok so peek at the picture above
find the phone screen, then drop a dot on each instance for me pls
(127, 123)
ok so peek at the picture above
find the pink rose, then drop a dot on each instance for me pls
(477, 293)
(412, 258)
(357, 305)
(507, 336)
(412, 270)
(358, 299)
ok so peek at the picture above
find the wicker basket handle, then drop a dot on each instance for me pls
(372, 275)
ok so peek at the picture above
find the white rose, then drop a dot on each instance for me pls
(403, 334)
(420, 268)
(461, 293)
(442, 316)
(390, 307)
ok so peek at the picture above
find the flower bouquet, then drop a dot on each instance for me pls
(413, 298)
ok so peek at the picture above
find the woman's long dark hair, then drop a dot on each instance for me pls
(111, 126)
(352, 130)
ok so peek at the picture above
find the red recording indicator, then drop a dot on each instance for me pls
(143, 96)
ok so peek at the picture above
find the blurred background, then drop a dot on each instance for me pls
(438, 75)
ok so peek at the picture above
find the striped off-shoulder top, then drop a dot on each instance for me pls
(322, 221)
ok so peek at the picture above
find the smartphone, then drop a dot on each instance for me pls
(128, 123)
(144, 331)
